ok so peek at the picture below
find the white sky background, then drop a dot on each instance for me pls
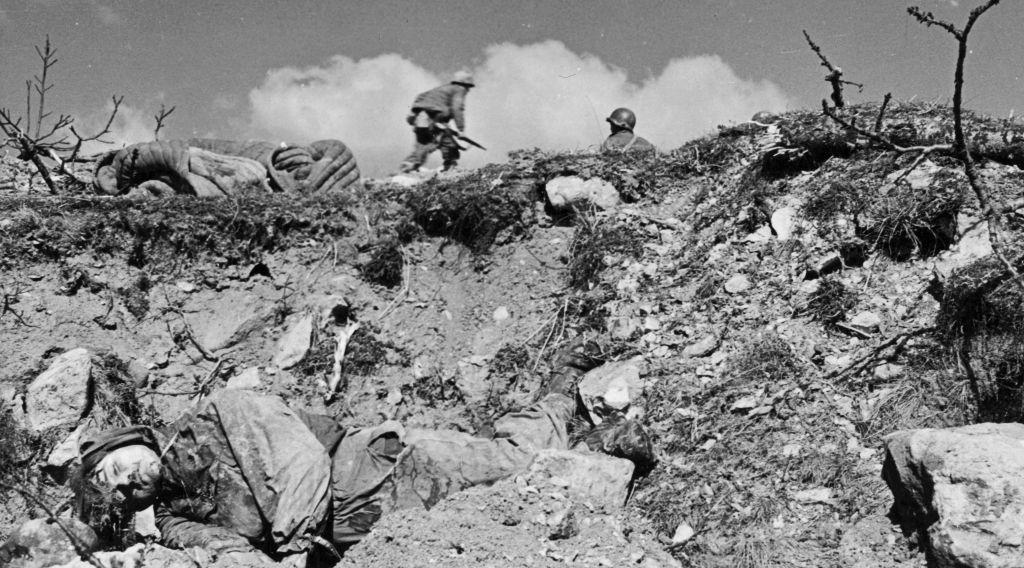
(539, 95)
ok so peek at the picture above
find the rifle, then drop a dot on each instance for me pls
(459, 136)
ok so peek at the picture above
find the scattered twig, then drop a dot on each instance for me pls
(9, 299)
(881, 112)
(195, 341)
(835, 74)
(102, 320)
(852, 330)
(862, 363)
(200, 390)
(554, 325)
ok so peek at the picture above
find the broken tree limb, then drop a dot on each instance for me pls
(835, 74)
(344, 335)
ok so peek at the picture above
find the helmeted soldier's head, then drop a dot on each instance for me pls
(464, 78)
(126, 460)
(622, 119)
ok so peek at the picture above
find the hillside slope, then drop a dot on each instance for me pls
(789, 293)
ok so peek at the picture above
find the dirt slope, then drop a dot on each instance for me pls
(776, 281)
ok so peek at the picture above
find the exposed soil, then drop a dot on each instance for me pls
(778, 353)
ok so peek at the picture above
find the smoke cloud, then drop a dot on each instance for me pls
(130, 126)
(540, 95)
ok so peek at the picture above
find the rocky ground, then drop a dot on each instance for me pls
(775, 300)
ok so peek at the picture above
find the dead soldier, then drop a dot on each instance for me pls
(430, 117)
(247, 477)
(622, 138)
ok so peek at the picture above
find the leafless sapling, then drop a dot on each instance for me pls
(960, 144)
(37, 134)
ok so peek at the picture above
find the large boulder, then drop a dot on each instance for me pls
(567, 192)
(585, 476)
(60, 395)
(963, 489)
(232, 319)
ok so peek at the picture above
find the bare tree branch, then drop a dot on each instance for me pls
(881, 112)
(835, 74)
(160, 117)
(960, 144)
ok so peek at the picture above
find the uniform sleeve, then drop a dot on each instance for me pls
(459, 109)
(179, 532)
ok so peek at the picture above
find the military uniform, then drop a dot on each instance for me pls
(625, 141)
(431, 111)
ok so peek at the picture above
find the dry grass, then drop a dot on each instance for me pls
(593, 244)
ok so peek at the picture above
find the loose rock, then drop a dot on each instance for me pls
(964, 488)
(60, 395)
(294, 344)
(565, 192)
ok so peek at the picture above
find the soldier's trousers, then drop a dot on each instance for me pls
(388, 467)
(428, 139)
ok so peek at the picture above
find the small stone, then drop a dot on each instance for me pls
(394, 397)
(791, 450)
(186, 287)
(651, 323)
(816, 495)
(868, 321)
(684, 532)
(248, 379)
(737, 284)
(887, 371)
(501, 314)
(783, 222)
(702, 348)
(623, 327)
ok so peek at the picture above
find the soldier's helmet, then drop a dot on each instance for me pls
(623, 118)
(463, 78)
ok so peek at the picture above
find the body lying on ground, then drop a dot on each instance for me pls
(217, 168)
(247, 475)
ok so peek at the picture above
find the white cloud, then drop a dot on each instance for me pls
(539, 95)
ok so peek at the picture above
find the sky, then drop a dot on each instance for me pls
(548, 71)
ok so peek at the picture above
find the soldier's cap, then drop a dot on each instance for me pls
(94, 448)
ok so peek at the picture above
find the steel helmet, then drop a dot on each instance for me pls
(463, 78)
(623, 118)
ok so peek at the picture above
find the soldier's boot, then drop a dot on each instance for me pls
(449, 165)
(407, 168)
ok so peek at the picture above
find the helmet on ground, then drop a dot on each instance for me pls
(463, 78)
(623, 118)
